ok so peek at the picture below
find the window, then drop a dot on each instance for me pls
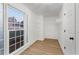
(15, 28)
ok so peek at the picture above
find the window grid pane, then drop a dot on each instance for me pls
(16, 28)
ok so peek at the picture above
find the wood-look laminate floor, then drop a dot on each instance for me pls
(46, 47)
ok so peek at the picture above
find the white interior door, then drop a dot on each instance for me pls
(77, 28)
(69, 28)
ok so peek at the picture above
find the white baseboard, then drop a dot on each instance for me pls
(61, 46)
(51, 38)
(47, 38)
(41, 39)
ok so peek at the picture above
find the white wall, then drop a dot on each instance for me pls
(50, 28)
(33, 26)
(40, 27)
(59, 20)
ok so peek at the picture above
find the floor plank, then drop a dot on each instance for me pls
(46, 47)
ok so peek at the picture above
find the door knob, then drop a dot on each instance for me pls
(71, 38)
(64, 47)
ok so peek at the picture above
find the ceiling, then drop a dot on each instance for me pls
(45, 9)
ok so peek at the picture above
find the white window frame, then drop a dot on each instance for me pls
(3, 25)
(6, 32)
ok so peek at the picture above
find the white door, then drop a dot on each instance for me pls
(77, 28)
(69, 29)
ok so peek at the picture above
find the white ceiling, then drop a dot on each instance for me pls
(45, 9)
